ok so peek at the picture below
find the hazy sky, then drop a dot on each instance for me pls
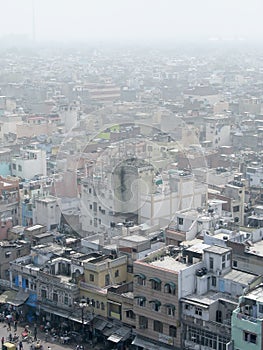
(131, 19)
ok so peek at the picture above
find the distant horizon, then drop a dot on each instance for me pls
(126, 20)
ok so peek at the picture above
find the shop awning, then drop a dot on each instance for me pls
(147, 345)
(100, 324)
(19, 298)
(115, 338)
(6, 296)
(121, 333)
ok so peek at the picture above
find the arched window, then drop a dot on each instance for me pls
(156, 283)
(170, 288)
(155, 304)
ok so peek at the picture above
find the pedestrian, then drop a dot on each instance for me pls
(10, 336)
(15, 325)
(2, 340)
(20, 345)
(48, 348)
(9, 325)
(35, 333)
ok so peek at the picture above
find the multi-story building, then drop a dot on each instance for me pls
(247, 321)
(46, 211)
(100, 273)
(158, 281)
(9, 204)
(28, 163)
(183, 297)
(177, 190)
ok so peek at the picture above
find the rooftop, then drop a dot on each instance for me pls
(241, 277)
(169, 263)
(217, 249)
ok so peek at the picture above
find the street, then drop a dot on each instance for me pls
(50, 344)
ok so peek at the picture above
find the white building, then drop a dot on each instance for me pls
(255, 176)
(29, 163)
(47, 212)
(180, 191)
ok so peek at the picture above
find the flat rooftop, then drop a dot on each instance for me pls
(217, 249)
(256, 294)
(169, 263)
(240, 277)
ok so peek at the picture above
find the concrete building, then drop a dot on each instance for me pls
(29, 163)
(247, 319)
(46, 211)
(9, 204)
(176, 192)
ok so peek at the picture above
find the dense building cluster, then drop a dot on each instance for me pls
(131, 195)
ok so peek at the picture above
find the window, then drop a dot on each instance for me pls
(130, 314)
(157, 326)
(117, 273)
(172, 331)
(223, 258)
(228, 256)
(143, 322)
(187, 307)
(250, 337)
(219, 316)
(213, 281)
(91, 277)
(90, 206)
(55, 297)
(14, 166)
(66, 299)
(211, 263)
(260, 308)
(170, 310)
(43, 294)
(141, 301)
(97, 304)
(156, 283)
(107, 280)
(141, 280)
(19, 168)
(155, 304)
(198, 311)
(169, 288)
(102, 306)
(234, 263)
(236, 208)
(180, 221)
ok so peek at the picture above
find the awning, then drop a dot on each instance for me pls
(155, 301)
(115, 338)
(114, 303)
(147, 344)
(122, 333)
(171, 306)
(100, 324)
(155, 279)
(171, 284)
(195, 303)
(32, 300)
(141, 275)
(19, 299)
(139, 297)
(6, 296)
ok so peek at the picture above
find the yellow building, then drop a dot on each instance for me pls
(100, 273)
